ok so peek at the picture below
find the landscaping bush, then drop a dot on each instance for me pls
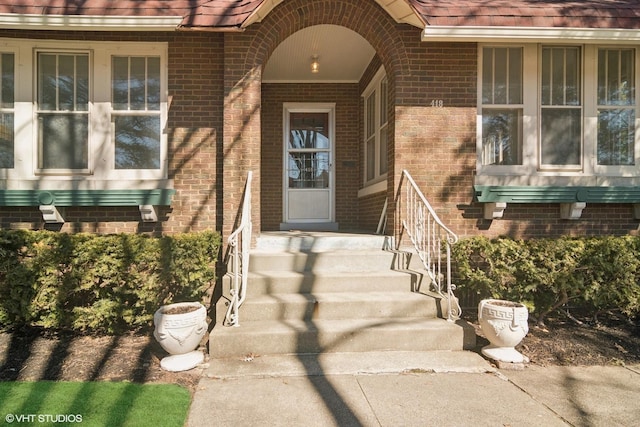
(100, 283)
(595, 273)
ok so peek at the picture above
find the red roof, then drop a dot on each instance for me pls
(623, 14)
(196, 13)
(224, 14)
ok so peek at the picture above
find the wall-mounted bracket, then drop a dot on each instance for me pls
(572, 210)
(494, 210)
(51, 214)
(148, 213)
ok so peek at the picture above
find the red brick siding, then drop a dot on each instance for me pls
(195, 77)
(220, 127)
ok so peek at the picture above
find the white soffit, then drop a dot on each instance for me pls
(399, 10)
(502, 34)
(90, 22)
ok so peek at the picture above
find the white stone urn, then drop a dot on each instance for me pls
(179, 329)
(505, 324)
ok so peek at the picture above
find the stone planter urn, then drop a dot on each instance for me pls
(504, 323)
(179, 329)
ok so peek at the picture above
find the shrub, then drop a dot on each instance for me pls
(100, 283)
(596, 273)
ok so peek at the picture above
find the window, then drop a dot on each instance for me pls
(502, 106)
(63, 111)
(136, 104)
(94, 110)
(376, 128)
(616, 106)
(561, 107)
(7, 89)
(552, 110)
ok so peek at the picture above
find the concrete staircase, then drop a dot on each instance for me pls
(318, 293)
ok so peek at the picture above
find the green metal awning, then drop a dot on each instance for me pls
(555, 194)
(157, 197)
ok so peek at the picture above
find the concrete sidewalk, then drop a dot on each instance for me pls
(411, 389)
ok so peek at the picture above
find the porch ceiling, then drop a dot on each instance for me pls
(343, 56)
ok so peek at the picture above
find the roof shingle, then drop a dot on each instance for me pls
(623, 14)
(195, 13)
(223, 14)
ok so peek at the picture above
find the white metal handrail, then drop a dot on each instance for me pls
(239, 244)
(432, 241)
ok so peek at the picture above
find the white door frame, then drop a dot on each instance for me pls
(313, 223)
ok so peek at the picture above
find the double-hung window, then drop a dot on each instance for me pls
(502, 105)
(136, 111)
(7, 110)
(561, 107)
(86, 114)
(552, 110)
(63, 111)
(616, 103)
(376, 129)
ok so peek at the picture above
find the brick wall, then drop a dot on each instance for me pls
(195, 77)
(224, 122)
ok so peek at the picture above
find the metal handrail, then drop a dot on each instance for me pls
(428, 235)
(239, 244)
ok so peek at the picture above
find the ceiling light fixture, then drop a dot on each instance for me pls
(315, 65)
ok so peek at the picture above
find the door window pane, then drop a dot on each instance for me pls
(309, 131)
(308, 169)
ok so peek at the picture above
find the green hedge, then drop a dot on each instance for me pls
(593, 273)
(100, 283)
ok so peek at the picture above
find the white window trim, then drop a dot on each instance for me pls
(374, 86)
(530, 172)
(101, 173)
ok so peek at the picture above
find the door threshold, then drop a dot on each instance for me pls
(309, 226)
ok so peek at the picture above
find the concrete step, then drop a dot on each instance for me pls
(337, 260)
(293, 336)
(310, 241)
(278, 282)
(361, 363)
(336, 305)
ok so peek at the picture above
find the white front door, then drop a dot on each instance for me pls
(308, 172)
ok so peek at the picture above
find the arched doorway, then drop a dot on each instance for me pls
(312, 121)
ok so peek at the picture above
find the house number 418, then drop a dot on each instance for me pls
(437, 103)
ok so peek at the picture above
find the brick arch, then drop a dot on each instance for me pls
(364, 17)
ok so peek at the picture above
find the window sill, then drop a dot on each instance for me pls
(378, 187)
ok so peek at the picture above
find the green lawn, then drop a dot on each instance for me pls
(92, 404)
